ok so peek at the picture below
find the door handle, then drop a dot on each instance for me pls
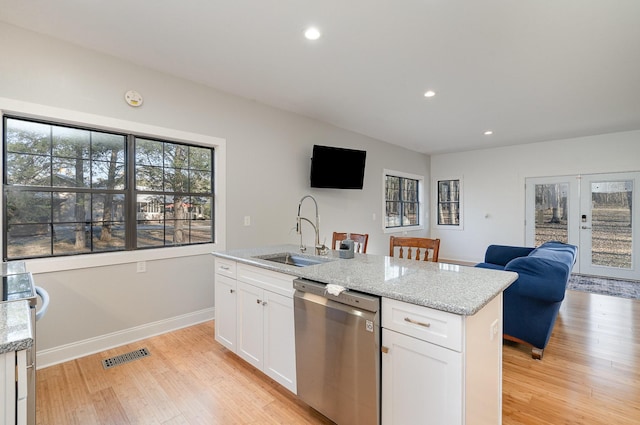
(586, 227)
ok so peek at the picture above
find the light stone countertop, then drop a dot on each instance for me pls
(452, 288)
(15, 326)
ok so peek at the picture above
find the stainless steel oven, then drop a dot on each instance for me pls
(16, 285)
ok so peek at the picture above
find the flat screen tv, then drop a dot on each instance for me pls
(337, 168)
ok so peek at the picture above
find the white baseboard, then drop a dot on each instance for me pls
(63, 353)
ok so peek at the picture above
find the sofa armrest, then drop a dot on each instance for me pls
(540, 278)
(502, 254)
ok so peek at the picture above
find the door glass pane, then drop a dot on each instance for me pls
(551, 212)
(611, 223)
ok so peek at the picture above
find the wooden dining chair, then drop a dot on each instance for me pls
(424, 244)
(359, 241)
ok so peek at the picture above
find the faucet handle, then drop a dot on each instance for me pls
(303, 248)
(322, 249)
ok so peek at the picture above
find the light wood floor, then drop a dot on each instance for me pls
(590, 374)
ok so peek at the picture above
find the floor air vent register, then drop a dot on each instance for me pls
(125, 358)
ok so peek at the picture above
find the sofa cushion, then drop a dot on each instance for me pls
(501, 254)
(490, 266)
(540, 278)
(556, 251)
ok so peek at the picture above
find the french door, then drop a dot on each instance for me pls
(595, 212)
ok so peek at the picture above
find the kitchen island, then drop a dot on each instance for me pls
(441, 327)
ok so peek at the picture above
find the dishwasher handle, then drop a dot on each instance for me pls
(330, 305)
(357, 300)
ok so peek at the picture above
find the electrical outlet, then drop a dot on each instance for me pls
(493, 330)
(247, 220)
(141, 266)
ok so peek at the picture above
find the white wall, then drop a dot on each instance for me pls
(494, 180)
(267, 168)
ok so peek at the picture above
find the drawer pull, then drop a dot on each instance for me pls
(225, 268)
(415, 322)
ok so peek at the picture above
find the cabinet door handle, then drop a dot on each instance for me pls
(231, 291)
(384, 349)
(415, 322)
(264, 303)
(258, 301)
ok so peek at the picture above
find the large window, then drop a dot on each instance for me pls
(75, 190)
(403, 200)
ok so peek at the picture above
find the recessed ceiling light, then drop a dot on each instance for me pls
(312, 33)
(429, 93)
(488, 132)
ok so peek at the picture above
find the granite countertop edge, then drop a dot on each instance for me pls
(456, 289)
(15, 326)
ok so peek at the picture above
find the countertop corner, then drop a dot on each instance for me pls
(15, 326)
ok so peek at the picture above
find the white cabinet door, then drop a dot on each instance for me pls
(250, 328)
(225, 302)
(422, 382)
(279, 340)
(13, 407)
(22, 388)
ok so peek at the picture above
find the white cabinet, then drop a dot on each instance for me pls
(255, 319)
(225, 303)
(441, 368)
(250, 328)
(13, 387)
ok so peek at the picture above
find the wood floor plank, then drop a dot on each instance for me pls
(590, 374)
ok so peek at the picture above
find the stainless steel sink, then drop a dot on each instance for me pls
(292, 259)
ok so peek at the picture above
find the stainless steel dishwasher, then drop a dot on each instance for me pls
(338, 353)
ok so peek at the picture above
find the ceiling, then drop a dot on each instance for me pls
(528, 70)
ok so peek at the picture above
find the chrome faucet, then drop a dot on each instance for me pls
(320, 249)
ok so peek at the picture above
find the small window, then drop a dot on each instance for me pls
(450, 203)
(402, 200)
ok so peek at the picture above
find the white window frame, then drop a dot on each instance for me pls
(65, 116)
(436, 203)
(422, 216)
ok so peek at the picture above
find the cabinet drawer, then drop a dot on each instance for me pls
(427, 324)
(266, 279)
(226, 267)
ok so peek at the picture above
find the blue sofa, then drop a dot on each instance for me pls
(531, 303)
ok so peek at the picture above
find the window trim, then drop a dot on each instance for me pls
(422, 216)
(81, 119)
(436, 203)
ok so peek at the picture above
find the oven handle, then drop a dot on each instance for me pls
(42, 293)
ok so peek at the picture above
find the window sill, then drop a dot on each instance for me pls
(76, 262)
